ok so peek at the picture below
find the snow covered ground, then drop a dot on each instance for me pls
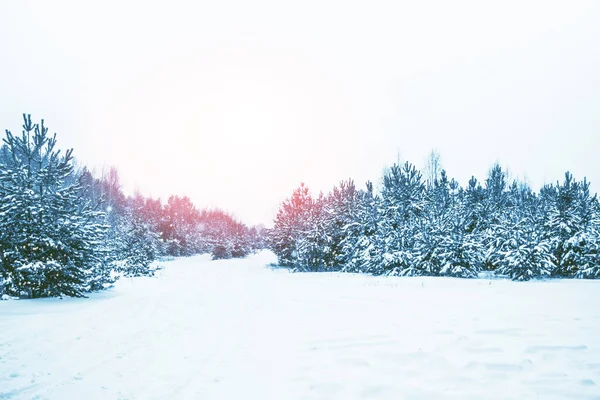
(235, 329)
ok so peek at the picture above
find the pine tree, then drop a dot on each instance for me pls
(314, 246)
(180, 227)
(589, 263)
(569, 224)
(361, 240)
(431, 228)
(221, 235)
(440, 228)
(526, 254)
(290, 225)
(50, 240)
(339, 213)
(489, 213)
(447, 244)
(583, 248)
(402, 204)
(460, 253)
(134, 244)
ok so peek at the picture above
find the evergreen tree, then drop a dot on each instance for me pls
(361, 240)
(314, 246)
(135, 244)
(589, 263)
(569, 226)
(402, 203)
(180, 227)
(461, 249)
(432, 227)
(339, 214)
(50, 240)
(526, 254)
(440, 228)
(491, 214)
(290, 225)
(223, 236)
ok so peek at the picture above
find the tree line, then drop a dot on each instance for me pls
(416, 226)
(64, 231)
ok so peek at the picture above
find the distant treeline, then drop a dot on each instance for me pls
(414, 226)
(64, 231)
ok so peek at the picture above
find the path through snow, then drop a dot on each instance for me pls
(235, 329)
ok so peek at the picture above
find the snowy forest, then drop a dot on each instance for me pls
(64, 231)
(428, 225)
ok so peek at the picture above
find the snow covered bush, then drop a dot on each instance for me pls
(221, 252)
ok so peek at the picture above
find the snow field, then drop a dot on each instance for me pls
(236, 329)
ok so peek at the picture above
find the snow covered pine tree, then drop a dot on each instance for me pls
(49, 238)
(290, 226)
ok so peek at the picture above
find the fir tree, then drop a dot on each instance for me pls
(440, 228)
(339, 214)
(402, 203)
(526, 254)
(50, 240)
(314, 246)
(290, 224)
(568, 225)
(589, 263)
(361, 240)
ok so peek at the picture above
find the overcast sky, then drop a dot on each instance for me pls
(236, 103)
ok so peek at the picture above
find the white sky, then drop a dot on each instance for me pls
(236, 103)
